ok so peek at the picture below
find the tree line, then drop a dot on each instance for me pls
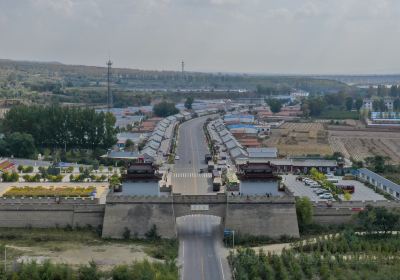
(56, 127)
(138, 270)
(374, 254)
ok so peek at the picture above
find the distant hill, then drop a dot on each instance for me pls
(365, 80)
(82, 76)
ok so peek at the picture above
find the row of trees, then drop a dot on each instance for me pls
(17, 144)
(325, 262)
(383, 90)
(59, 127)
(379, 105)
(138, 270)
(349, 255)
(314, 105)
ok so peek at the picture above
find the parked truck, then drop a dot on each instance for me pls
(217, 182)
(207, 158)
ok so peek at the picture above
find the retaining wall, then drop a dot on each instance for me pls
(47, 213)
(343, 212)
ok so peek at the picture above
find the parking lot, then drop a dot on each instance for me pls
(361, 192)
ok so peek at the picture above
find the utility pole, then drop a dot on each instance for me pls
(183, 69)
(109, 94)
(5, 258)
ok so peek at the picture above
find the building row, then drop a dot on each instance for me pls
(379, 182)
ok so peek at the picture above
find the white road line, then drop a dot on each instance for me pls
(191, 175)
(222, 269)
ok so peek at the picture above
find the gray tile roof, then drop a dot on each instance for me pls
(238, 153)
(270, 152)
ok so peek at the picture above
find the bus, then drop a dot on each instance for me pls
(232, 181)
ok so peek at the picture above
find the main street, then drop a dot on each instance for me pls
(201, 248)
(191, 149)
(201, 252)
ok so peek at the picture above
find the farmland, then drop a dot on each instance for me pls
(300, 139)
(314, 138)
(360, 145)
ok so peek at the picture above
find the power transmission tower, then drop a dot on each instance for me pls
(183, 69)
(109, 93)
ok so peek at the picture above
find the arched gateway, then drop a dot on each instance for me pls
(254, 215)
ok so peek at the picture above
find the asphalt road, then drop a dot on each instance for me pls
(201, 252)
(191, 149)
(201, 249)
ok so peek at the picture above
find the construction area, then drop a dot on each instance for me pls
(295, 139)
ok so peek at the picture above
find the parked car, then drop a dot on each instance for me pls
(326, 196)
(309, 183)
(176, 157)
(320, 191)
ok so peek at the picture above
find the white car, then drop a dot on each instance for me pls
(326, 196)
(176, 157)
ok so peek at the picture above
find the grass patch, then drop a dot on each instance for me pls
(254, 241)
(37, 236)
(163, 249)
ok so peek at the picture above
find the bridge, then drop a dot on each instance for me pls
(253, 215)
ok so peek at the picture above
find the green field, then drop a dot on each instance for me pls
(339, 115)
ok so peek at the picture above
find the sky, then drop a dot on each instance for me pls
(246, 36)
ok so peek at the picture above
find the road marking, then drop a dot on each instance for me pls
(191, 141)
(202, 267)
(191, 175)
(222, 269)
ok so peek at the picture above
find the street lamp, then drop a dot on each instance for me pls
(233, 239)
(5, 258)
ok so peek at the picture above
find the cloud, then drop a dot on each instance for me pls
(304, 36)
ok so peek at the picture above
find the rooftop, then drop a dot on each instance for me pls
(378, 178)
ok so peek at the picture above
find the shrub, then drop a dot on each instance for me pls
(10, 177)
(126, 234)
(152, 233)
